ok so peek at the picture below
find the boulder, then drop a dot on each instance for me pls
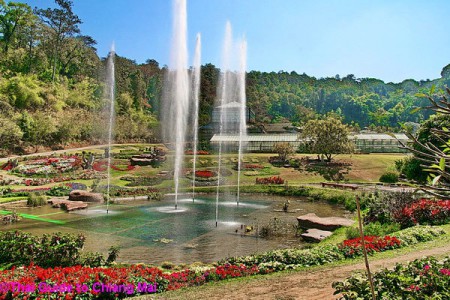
(315, 235)
(85, 196)
(311, 220)
(67, 204)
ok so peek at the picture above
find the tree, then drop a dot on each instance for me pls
(10, 133)
(327, 137)
(12, 16)
(433, 150)
(63, 23)
(284, 150)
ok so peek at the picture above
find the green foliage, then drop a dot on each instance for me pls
(389, 177)
(386, 206)
(58, 250)
(374, 229)
(411, 168)
(35, 199)
(285, 259)
(425, 278)
(327, 137)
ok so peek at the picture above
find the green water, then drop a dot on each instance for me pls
(141, 228)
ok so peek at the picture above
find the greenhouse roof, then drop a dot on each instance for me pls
(294, 137)
(256, 138)
(379, 136)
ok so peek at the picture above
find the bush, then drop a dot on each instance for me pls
(376, 228)
(389, 177)
(19, 248)
(424, 211)
(425, 278)
(386, 206)
(35, 199)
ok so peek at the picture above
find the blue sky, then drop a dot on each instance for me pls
(385, 39)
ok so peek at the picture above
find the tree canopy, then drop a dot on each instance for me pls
(327, 137)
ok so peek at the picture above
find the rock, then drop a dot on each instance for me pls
(315, 235)
(85, 196)
(67, 204)
(311, 220)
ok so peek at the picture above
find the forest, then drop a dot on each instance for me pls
(51, 77)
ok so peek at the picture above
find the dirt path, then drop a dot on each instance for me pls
(308, 284)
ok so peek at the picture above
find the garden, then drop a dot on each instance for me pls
(392, 221)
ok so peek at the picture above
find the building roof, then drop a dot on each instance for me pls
(379, 136)
(293, 137)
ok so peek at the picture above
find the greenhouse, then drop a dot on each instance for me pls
(364, 142)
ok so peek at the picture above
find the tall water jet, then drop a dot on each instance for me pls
(242, 109)
(195, 99)
(223, 98)
(110, 85)
(176, 91)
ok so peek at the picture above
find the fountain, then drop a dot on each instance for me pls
(231, 90)
(195, 97)
(176, 92)
(110, 85)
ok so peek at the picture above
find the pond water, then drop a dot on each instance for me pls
(153, 232)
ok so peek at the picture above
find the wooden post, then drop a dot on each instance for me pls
(361, 232)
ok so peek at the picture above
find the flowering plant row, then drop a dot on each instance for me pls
(425, 278)
(424, 211)
(199, 152)
(284, 259)
(252, 166)
(270, 180)
(354, 247)
(77, 282)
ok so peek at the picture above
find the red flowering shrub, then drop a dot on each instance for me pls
(353, 247)
(424, 211)
(270, 180)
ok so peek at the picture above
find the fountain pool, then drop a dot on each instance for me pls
(151, 232)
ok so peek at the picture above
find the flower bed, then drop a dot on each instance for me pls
(354, 247)
(425, 278)
(270, 180)
(199, 152)
(49, 165)
(205, 174)
(252, 167)
(295, 258)
(102, 166)
(86, 283)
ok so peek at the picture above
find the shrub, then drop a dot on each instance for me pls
(375, 228)
(270, 180)
(425, 278)
(424, 211)
(19, 248)
(386, 206)
(389, 177)
(35, 199)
